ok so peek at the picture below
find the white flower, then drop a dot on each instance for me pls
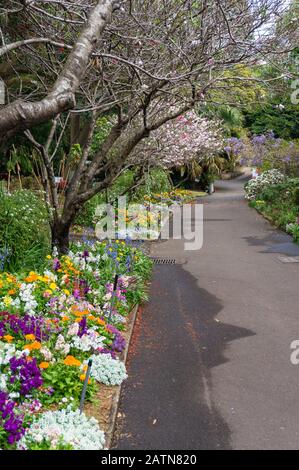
(73, 329)
(46, 353)
(88, 341)
(61, 345)
(107, 296)
(3, 383)
(107, 370)
(67, 426)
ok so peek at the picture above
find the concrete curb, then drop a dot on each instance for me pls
(116, 397)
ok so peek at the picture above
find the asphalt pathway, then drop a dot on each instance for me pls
(209, 365)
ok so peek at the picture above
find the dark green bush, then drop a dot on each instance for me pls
(24, 230)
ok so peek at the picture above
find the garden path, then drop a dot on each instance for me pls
(209, 365)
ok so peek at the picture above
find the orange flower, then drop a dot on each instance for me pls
(71, 361)
(101, 322)
(30, 337)
(32, 277)
(29, 358)
(44, 365)
(78, 320)
(35, 345)
(11, 291)
(8, 338)
(65, 319)
(78, 314)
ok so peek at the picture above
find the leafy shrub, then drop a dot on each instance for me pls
(256, 186)
(293, 229)
(156, 181)
(24, 230)
(279, 203)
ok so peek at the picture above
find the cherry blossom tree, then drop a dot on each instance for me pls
(180, 141)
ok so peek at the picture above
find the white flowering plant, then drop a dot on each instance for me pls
(63, 430)
(107, 370)
(256, 186)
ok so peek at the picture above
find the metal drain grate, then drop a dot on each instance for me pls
(289, 259)
(164, 261)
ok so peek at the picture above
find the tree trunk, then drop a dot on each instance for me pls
(61, 236)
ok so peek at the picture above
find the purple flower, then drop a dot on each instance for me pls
(108, 351)
(9, 420)
(24, 325)
(77, 294)
(27, 373)
(119, 342)
(84, 286)
(82, 327)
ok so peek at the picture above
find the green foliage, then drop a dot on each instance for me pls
(283, 121)
(46, 445)
(293, 229)
(102, 129)
(70, 386)
(156, 181)
(24, 230)
(19, 160)
(232, 121)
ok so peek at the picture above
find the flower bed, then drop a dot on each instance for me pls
(51, 324)
(278, 202)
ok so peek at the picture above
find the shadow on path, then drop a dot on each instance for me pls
(166, 402)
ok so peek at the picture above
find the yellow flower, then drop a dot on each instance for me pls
(66, 291)
(82, 377)
(7, 301)
(49, 257)
(53, 286)
(8, 338)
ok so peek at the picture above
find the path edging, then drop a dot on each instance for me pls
(116, 396)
